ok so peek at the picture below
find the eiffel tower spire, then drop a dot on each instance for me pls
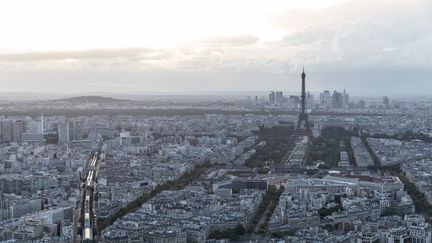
(303, 123)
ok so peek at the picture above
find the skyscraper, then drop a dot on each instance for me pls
(310, 100)
(75, 130)
(337, 99)
(279, 97)
(34, 127)
(7, 131)
(42, 124)
(325, 99)
(293, 102)
(18, 130)
(63, 133)
(272, 97)
(345, 99)
(386, 102)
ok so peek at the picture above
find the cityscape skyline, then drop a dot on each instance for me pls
(200, 121)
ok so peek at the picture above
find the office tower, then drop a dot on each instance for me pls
(310, 100)
(18, 130)
(386, 102)
(272, 97)
(279, 97)
(75, 130)
(337, 99)
(293, 102)
(34, 127)
(7, 131)
(34, 132)
(325, 99)
(63, 133)
(303, 123)
(345, 99)
(42, 124)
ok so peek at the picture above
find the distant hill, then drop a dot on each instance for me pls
(91, 99)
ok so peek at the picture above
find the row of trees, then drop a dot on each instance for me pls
(375, 158)
(232, 234)
(419, 198)
(268, 204)
(271, 200)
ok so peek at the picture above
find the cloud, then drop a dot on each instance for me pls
(96, 59)
(218, 41)
(349, 40)
(349, 36)
(199, 54)
(360, 34)
(143, 53)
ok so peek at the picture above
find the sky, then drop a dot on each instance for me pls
(363, 46)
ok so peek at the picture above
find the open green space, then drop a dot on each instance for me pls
(279, 143)
(329, 144)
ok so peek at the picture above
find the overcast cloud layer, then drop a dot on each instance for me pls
(362, 45)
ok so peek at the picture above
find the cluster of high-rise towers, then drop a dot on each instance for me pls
(32, 130)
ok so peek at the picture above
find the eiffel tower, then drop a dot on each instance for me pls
(303, 127)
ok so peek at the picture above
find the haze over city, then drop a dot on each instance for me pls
(367, 47)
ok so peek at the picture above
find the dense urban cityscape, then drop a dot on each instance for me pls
(229, 121)
(276, 168)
